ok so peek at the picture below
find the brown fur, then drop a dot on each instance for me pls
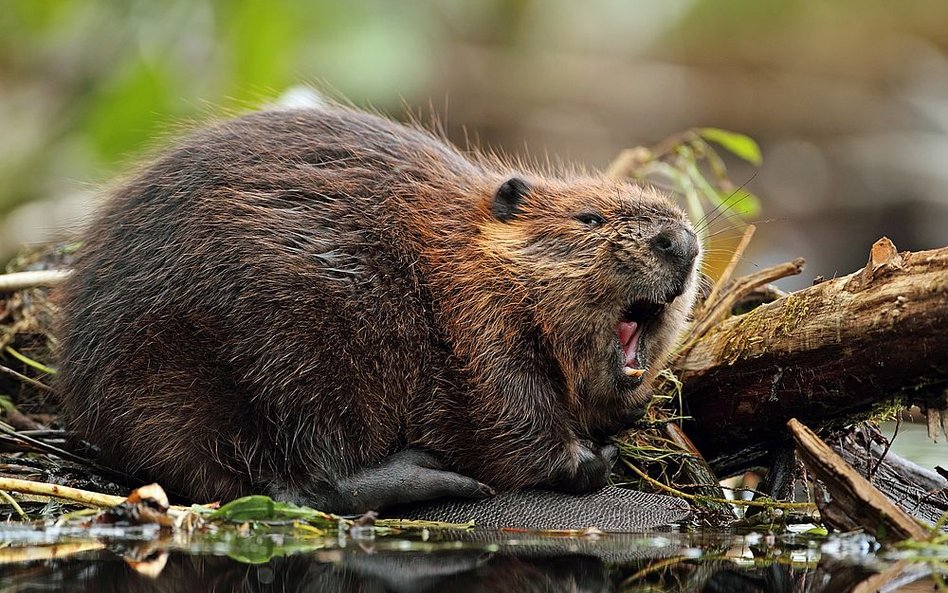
(292, 295)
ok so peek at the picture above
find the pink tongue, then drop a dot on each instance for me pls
(629, 338)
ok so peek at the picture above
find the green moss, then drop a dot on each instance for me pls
(886, 410)
(794, 309)
(757, 328)
(749, 332)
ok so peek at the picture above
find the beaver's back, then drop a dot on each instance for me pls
(267, 255)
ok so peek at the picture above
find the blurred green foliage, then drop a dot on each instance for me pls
(86, 86)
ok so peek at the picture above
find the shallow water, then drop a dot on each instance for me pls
(294, 561)
(912, 442)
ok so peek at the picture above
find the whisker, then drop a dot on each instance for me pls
(724, 206)
(733, 229)
(731, 195)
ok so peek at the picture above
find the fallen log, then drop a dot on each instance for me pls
(829, 353)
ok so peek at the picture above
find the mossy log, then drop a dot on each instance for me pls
(829, 353)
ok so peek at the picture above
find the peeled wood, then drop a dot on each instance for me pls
(32, 279)
(853, 502)
(831, 351)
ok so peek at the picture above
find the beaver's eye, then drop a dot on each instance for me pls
(590, 219)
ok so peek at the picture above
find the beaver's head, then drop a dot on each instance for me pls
(611, 270)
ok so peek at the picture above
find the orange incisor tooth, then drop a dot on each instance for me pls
(629, 371)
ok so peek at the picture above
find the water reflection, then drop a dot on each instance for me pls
(468, 562)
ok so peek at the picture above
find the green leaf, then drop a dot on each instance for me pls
(265, 509)
(740, 145)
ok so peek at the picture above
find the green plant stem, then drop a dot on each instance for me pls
(13, 503)
(30, 362)
(773, 504)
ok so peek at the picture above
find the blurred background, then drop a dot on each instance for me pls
(848, 99)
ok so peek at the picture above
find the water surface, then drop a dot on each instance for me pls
(295, 560)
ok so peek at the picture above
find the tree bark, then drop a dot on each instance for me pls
(827, 353)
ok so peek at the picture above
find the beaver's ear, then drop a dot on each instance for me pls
(508, 199)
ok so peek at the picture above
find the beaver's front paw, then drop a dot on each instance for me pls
(590, 468)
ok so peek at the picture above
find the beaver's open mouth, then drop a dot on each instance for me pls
(634, 320)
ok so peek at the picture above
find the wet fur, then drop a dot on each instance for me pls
(291, 295)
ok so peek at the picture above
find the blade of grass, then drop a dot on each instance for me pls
(29, 361)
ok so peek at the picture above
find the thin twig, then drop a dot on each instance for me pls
(628, 161)
(33, 279)
(13, 503)
(769, 504)
(729, 270)
(29, 361)
(84, 497)
(47, 433)
(63, 454)
(25, 379)
(888, 445)
(653, 568)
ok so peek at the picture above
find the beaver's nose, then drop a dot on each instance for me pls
(677, 244)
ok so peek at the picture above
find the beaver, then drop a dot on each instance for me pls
(337, 309)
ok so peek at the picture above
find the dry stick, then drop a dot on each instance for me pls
(11, 555)
(25, 379)
(34, 279)
(628, 160)
(934, 422)
(93, 499)
(728, 271)
(742, 286)
(16, 506)
(63, 454)
(85, 497)
(631, 159)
